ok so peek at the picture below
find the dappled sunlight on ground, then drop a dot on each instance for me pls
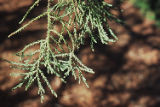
(127, 73)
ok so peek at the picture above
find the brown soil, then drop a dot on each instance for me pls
(126, 72)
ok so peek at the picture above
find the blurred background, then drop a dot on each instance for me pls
(127, 73)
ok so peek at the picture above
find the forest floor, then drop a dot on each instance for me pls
(127, 73)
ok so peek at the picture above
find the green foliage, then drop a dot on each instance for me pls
(88, 19)
(150, 8)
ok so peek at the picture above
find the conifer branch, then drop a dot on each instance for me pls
(86, 18)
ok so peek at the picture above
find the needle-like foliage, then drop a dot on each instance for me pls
(87, 18)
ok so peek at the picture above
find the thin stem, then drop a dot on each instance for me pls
(26, 25)
(48, 23)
